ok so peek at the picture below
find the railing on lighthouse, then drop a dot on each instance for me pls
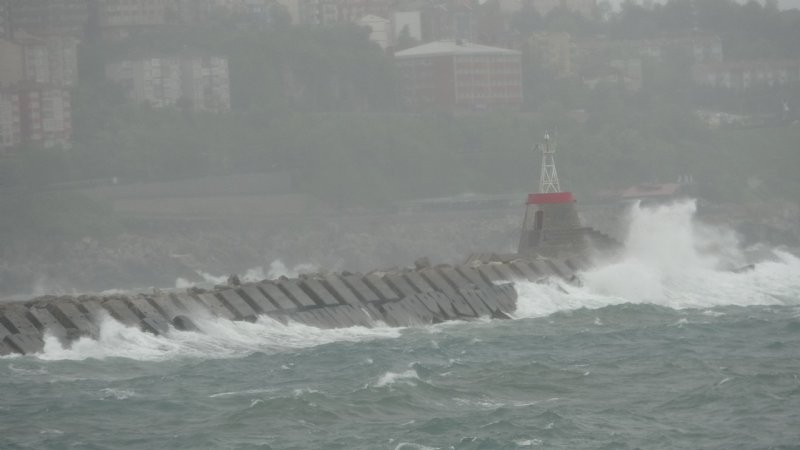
(548, 180)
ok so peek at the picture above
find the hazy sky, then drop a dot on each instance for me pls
(785, 4)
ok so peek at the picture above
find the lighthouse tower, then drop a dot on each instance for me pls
(551, 226)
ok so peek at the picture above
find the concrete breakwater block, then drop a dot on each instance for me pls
(400, 284)
(319, 293)
(256, 299)
(234, 302)
(339, 289)
(17, 320)
(48, 323)
(406, 297)
(360, 289)
(24, 344)
(276, 295)
(292, 290)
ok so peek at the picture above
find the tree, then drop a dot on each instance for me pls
(405, 40)
(527, 20)
(279, 17)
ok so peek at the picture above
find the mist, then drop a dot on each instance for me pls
(170, 143)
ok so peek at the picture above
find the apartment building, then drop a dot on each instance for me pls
(329, 12)
(12, 69)
(206, 84)
(243, 6)
(45, 115)
(50, 59)
(35, 114)
(35, 77)
(152, 81)
(202, 84)
(44, 60)
(118, 18)
(747, 74)
(698, 48)
(10, 126)
(544, 7)
(5, 19)
(454, 74)
(49, 17)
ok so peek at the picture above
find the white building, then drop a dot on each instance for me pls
(206, 84)
(411, 20)
(543, 7)
(154, 81)
(747, 74)
(128, 13)
(380, 27)
(50, 60)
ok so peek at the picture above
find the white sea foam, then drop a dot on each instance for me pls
(52, 431)
(528, 442)
(671, 260)
(216, 338)
(390, 378)
(277, 268)
(117, 394)
(254, 274)
(413, 446)
(183, 283)
(245, 392)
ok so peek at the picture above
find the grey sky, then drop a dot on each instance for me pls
(785, 4)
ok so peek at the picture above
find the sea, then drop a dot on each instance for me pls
(668, 346)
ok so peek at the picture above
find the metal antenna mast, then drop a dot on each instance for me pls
(548, 181)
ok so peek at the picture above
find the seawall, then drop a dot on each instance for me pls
(397, 298)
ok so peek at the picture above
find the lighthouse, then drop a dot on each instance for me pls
(551, 227)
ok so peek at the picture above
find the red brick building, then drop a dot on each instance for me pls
(45, 115)
(450, 74)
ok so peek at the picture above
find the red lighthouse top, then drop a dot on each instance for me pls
(549, 198)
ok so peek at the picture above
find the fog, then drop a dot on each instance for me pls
(149, 143)
(782, 4)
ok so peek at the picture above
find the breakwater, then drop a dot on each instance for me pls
(422, 296)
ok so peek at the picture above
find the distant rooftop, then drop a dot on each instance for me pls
(372, 18)
(651, 190)
(453, 47)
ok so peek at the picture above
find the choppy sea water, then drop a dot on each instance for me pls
(662, 349)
